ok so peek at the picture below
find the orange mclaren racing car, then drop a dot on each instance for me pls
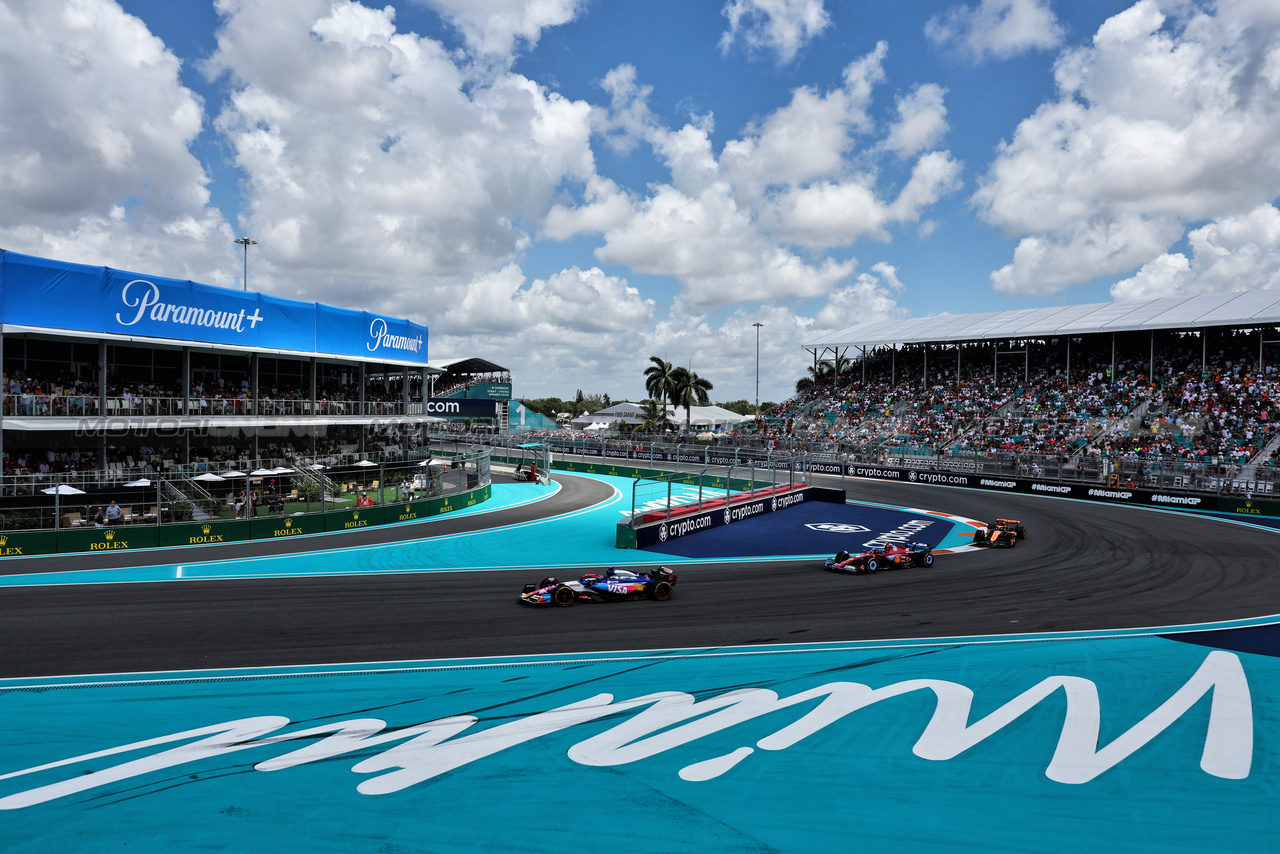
(1004, 533)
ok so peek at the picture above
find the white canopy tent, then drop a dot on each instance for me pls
(1259, 307)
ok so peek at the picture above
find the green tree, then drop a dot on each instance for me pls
(822, 374)
(658, 382)
(741, 407)
(654, 415)
(688, 390)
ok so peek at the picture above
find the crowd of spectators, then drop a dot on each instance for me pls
(1179, 402)
(27, 393)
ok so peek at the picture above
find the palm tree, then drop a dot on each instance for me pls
(687, 389)
(839, 365)
(654, 417)
(657, 382)
(818, 375)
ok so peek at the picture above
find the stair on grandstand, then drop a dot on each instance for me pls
(191, 493)
(980, 425)
(315, 480)
(1266, 452)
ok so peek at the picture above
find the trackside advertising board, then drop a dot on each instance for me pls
(654, 533)
(123, 537)
(1086, 491)
(57, 295)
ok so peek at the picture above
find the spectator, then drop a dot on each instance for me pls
(113, 513)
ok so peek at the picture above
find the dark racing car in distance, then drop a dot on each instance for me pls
(1002, 532)
(893, 555)
(613, 586)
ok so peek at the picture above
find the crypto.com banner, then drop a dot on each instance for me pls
(669, 529)
(1087, 491)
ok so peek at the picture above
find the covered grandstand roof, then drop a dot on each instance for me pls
(1259, 307)
(467, 366)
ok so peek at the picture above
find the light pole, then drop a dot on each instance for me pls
(246, 243)
(757, 325)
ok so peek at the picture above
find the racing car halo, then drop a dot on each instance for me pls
(613, 586)
(891, 555)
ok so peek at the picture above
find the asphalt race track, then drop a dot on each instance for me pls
(1083, 567)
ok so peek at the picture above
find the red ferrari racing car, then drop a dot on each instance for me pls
(892, 555)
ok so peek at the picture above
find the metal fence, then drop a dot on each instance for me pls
(1166, 474)
(92, 406)
(211, 491)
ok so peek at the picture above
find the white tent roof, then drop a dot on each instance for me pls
(1259, 307)
(627, 413)
(707, 416)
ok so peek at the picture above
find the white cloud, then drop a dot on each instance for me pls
(1083, 251)
(1231, 254)
(499, 27)
(999, 28)
(1155, 127)
(870, 298)
(380, 170)
(922, 121)
(625, 122)
(99, 117)
(781, 27)
(370, 164)
(741, 227)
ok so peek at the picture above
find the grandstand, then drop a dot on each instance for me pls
(1174, 391)
(113, 377)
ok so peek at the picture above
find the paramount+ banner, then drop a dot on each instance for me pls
(1084, 491)
(51, 294)
(656, 533)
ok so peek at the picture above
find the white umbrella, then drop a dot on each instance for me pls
(63, 489)
(366, 463)
(142, 481)
(282, 470)
(227, 474)
(262, 472)
(315, 467)
(208, 476)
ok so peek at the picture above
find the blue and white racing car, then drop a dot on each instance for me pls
(613, 586)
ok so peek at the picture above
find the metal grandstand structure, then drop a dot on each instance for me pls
(1253, 309)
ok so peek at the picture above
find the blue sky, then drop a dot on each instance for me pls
(570, 186)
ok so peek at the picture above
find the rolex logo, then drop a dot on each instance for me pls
(288, 523)
(110, 535)
(3, 539)
(355, 515)
(204, 529)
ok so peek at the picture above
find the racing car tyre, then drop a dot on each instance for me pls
(661, 591)
(563, 596)
(871, 565)
(1021, 532)
(927, 560)
(979, 536)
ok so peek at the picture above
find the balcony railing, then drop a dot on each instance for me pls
(91, 406)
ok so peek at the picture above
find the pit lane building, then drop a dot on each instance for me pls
(98, 358)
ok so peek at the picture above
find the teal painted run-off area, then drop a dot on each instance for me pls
(541, 543)
(834, 748)
(1116, 741)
